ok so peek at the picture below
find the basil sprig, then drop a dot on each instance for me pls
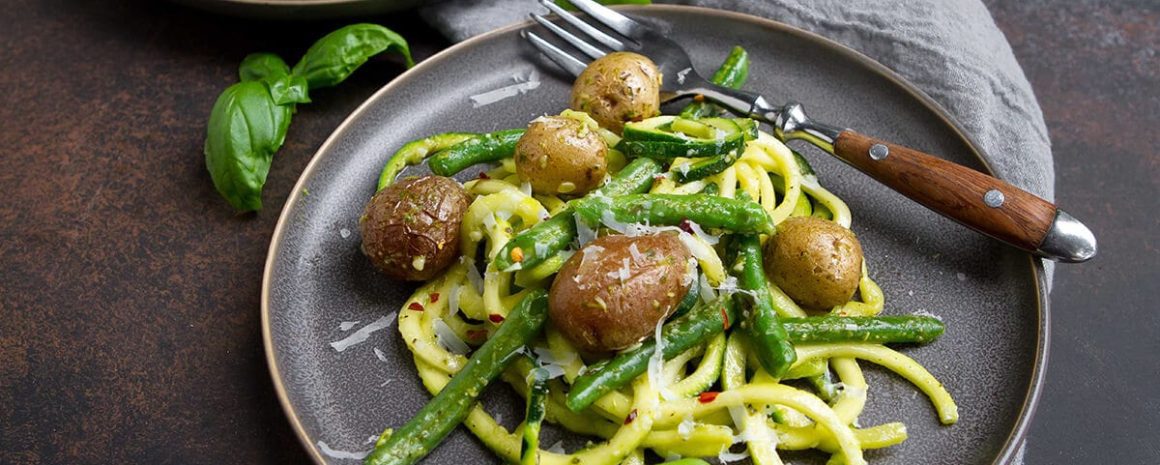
(330, 60)
(249, 121)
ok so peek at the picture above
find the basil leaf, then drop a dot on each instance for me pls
(245, 128)
(269, 68)
(289, 89)
(262, 66)
(335, 56)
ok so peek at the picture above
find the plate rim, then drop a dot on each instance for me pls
(1015, 439)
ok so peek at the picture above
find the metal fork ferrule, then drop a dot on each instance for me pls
(790, 122)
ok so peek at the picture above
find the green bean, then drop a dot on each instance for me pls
(872, 329)
(413, 153)
(691, 298)
(494, 146)
(731, 74)
(699, 325)
(669, 209)
(443, 413)
(547, 238)
(537, 407)
(766, 333)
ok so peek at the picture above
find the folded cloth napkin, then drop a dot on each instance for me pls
(951, 49)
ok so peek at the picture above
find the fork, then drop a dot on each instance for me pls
(984, 203)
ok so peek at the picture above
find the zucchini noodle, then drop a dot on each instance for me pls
(679, 413)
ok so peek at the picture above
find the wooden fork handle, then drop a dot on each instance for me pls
(982, 202)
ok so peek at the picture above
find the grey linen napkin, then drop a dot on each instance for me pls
(951, 49)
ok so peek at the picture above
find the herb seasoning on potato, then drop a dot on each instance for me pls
(613, 292)
(618, 87)
(559, 155)
(410, 230)
(817, 262)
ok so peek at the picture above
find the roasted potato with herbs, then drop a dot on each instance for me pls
(618, 87)
(559, 155)
(817, 262)
(410, 229)
(612, 293)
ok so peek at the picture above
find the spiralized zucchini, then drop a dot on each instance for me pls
(681, 414)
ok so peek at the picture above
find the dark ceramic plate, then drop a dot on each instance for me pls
(991, 296)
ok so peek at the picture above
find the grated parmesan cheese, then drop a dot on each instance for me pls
(341, 454)
(656, 362)
(611, 222)
(453, 299)
(584, 233)
(637, 257)
(448, 339)
(474, 276)
(548, 361)
(363, 333)
(707, 293)
(708, 238)
(685, 429)
(522, 86)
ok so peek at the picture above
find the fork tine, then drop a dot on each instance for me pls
(570, 63)
(585, 47)
(600, 36)
(615, 21)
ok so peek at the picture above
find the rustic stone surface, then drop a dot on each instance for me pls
(130, 329)
(129, 292)
(1095, 67)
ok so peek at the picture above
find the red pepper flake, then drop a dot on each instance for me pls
(434, 297)
(495, 318)
(517, 254)
(659, 177)
(416, 306)
(631, 416)
(686, 226)
(725, 316)
(707, 396)
(476, 334)
(483, 175)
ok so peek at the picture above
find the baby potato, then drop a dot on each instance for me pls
(559, 155)
(612, 293)
(618, 87)
(817, 262)
(410, 229)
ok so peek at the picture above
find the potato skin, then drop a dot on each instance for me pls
(559, 155)
(590, 304)
(618, 87)
(817, 262)
(410, 229)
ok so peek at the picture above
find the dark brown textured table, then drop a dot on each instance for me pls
(129, 292)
